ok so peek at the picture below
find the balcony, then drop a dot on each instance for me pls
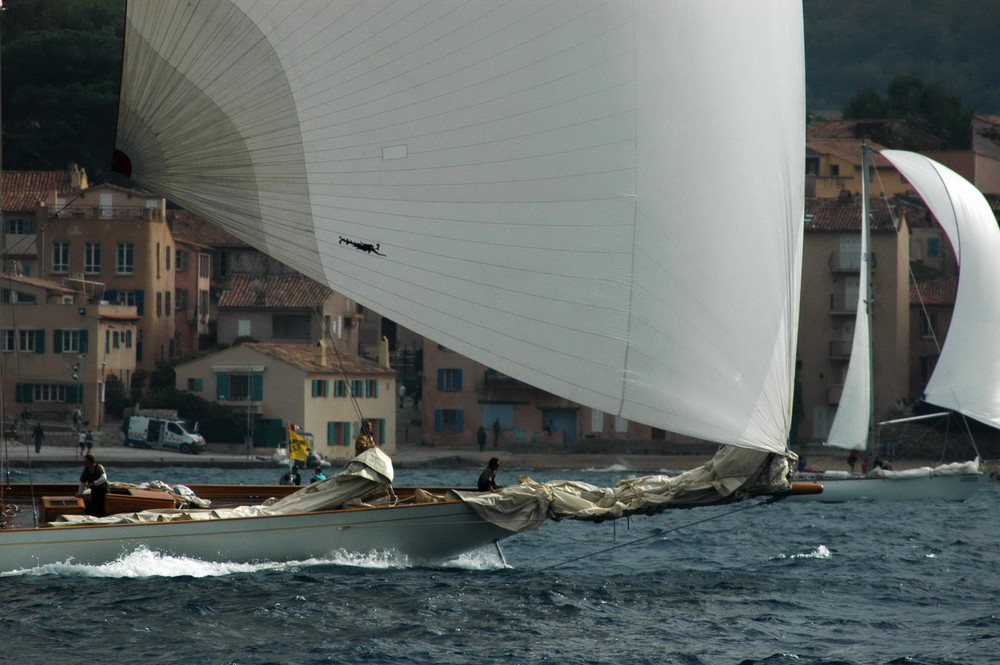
(843, 304)
(848, 261)
(111, 212)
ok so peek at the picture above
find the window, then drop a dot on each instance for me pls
(293, 326)
(933, 248)
(183, 260)
(204, 266)
(125, 260)
(166, 257)
(449, 380)
(222, 265)
(60, 257)
(340, 388)
(320, 388)
(448, 420)
(8, 340)
(371, 388)
(928, 324)
(338, 433)
(70, 341)
(195, 385)
(239, 387)
(834, 170)
(31, 341)
(596, 421)
(181, 298)
(159, 304)
(92, 258)
(18, 226)
(48, 392)
(166, 302)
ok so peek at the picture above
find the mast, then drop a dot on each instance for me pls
(866, 285)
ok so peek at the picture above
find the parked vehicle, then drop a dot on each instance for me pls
(171, 433)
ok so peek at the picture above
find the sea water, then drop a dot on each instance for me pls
(788, 583)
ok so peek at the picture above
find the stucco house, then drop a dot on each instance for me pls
(318, 389)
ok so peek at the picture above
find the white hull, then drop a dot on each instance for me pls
(925, 488)
(424, 532)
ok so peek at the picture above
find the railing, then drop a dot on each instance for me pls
(849, 261)
(840, 350)
(843, 303)
(111, 212)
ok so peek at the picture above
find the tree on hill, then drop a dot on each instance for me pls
(926, 106)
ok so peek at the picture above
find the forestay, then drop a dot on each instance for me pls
(965, 377)
(601, 198)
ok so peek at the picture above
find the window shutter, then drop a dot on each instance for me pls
(440, 379)
(256, 387)
(438, 420)
(24, 393)
(140, 302)
(458, 380)
(459, 420)
(222, 383)
(39, 341)
(57, 341)
(83, 341)
(381, 431)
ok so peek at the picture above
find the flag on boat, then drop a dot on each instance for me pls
(298, 446)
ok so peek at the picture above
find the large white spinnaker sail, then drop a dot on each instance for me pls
(601, 198)
(965, 378)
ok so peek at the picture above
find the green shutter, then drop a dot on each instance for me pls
(83, 341)
(222, 385)
(39, 341)
(256, 388)
(24, 393)
(74, 394)
(57, 341)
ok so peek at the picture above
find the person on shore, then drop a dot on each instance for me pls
(481, 438)
(81, 442)
(496, 433)
(89, 439)
(292, 477)
(95, 478)
(39, 435)
(488, 478)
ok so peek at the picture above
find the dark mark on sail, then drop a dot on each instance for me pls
(363, 246)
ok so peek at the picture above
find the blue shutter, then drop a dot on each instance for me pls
(140, 301)
(438, 420)
(107, 341)
(381, 431)
(256, 387)
(39, 341)
(222, 383)
(459, 420)
(57, 341)
(83, 341)
(440, 379)
(458, 381)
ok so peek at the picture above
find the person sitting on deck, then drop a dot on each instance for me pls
(292, 477)
(488, 478)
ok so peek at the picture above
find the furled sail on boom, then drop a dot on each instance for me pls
(534, 185)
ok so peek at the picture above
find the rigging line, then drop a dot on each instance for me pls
(327, 335)
(659, 534)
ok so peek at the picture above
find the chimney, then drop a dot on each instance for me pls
(383, 352)
(322, 352)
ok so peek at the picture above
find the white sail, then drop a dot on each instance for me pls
(965, 377)
(601, 198)
(852, 422)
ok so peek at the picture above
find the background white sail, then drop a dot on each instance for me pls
(603, 199)
(852, 422)
(967, 375)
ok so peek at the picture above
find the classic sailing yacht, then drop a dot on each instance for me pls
(968, 221)
(533, 185)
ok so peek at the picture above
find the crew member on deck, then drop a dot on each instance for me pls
(488, 478)
(365, 440)
(95, 478)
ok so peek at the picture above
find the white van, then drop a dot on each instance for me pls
(172, 433)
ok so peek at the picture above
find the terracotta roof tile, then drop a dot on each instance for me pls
(934, 291)
(24, 190)
(308, 357)
(274, 292)
(845, 215)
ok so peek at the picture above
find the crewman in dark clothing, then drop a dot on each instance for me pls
(488, 478)
(96, 478)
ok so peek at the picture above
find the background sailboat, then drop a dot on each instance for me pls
(966, 218)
